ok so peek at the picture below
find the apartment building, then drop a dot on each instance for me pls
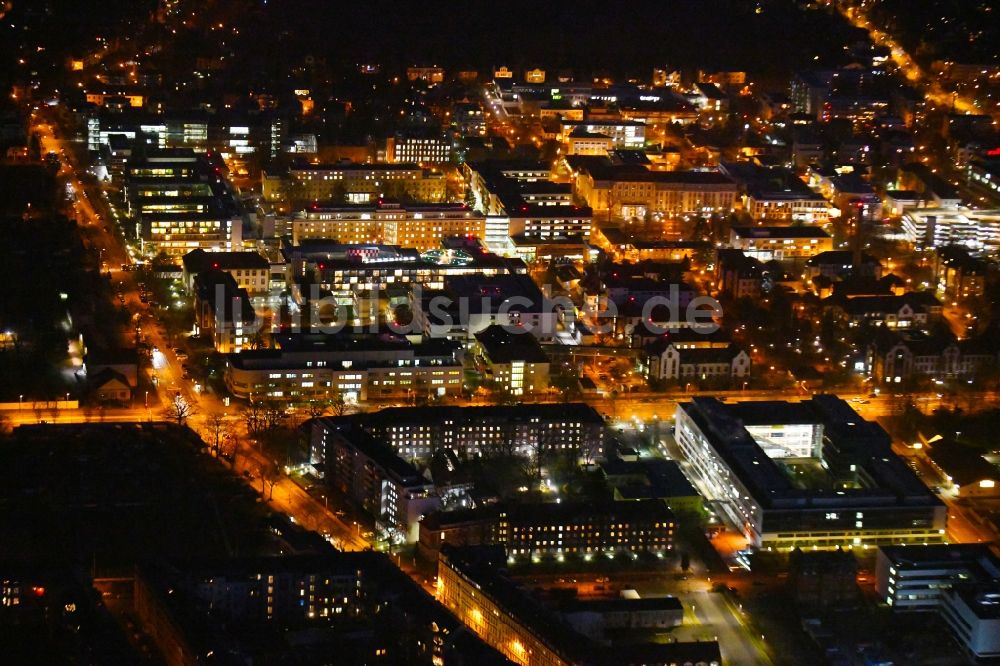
(417, 226)
(360, 366)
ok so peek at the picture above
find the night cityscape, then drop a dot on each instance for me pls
(639, 334)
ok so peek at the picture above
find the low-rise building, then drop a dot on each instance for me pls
(417, 432)
(512, 361)
(424, 147)
(250, 270)
(307, 183)
(653, 478)
(223, 311)
(364, 268)
(959, 274)
(963, 469)
(978, 230)
(823, 578)
(972, 612)
(634, 191)
(739, 275)
(470, 303)
(370, 474)
(781, 243)
(593, 617)
(418, 226)
(317, 366)
(584, 528)
(910, 310)
(732, 451)
(473, 584)
(582, 142)
(914, 577)
(670, 362)
(840, 265)
(622, 133)
(894, 357)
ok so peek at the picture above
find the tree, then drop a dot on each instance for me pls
(253, 417)
(269, 477)
(179, 409)
(338, 404)
(217, 430)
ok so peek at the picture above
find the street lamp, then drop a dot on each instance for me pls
(20, 402)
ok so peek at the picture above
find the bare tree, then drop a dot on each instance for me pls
(338, 404)
(179, 409)
(269, 477)
(316, 408)
(274, 413)
(217, 430)
(253, 417)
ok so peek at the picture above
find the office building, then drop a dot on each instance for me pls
(415, 433)
(743, 457)
(524, 207)
(781, 243)
(418, 226)
(978, 230)
(421, 148)
(180, 203)
(972, 612)
(360, 366)
(913, 578)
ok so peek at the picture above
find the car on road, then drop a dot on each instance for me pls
(180, 354)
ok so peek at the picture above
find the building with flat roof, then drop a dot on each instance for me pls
(913, 578)
(846, 488)
(299, 608)
(306, 182)
(972, 612)
(512, 362)
(470, 303)
(632, 190)
(417, 432)
(363, 268)
(978, 230)
(777, 194)
(473, 584)
(371, 475)
(781, 243)
(359, 366)
(223, 311)
(623, 133)
(420, 226)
